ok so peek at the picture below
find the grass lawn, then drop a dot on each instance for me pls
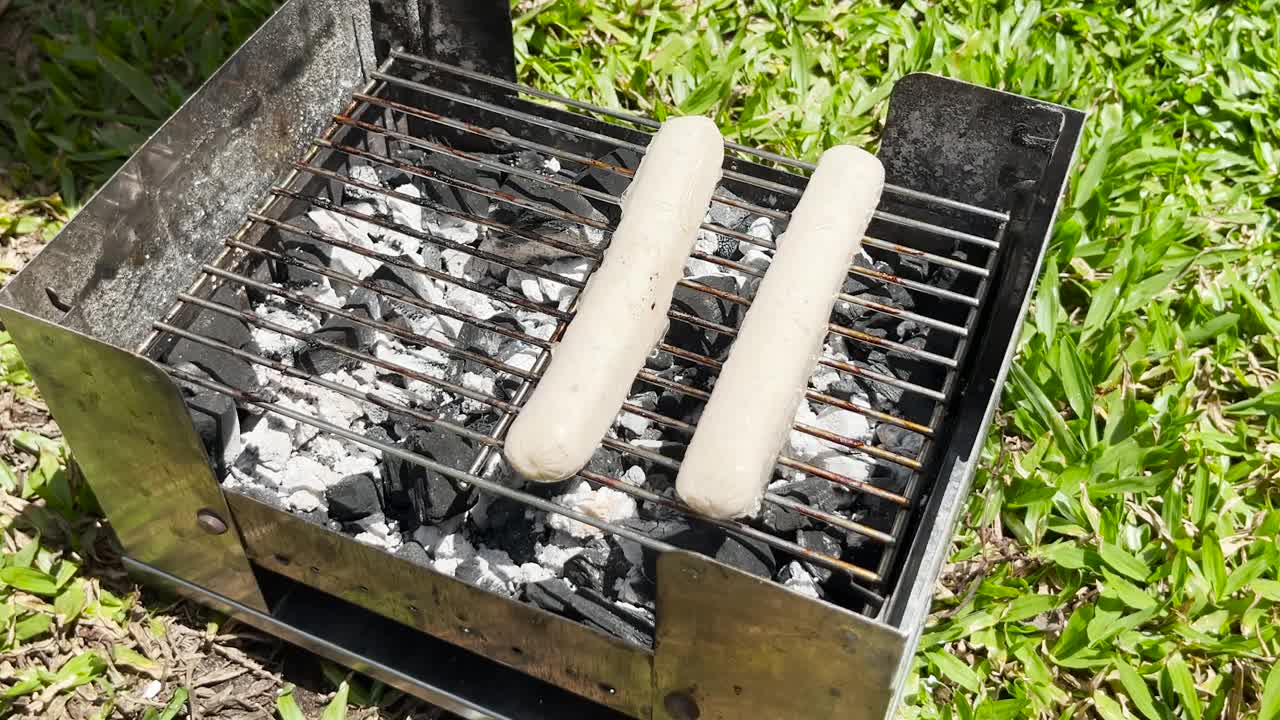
(1119, 556)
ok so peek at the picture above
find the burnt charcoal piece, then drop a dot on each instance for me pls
(511, 529)
(448, 196)
(364, 302)
(301, 247)
(216, 422)
(400, 280)
(404, 490)
(581, 572)
(730, 216)
(339, 331)
(815, 492)
(706, 307)
(610, 181)
(391, 177)
(224, 328)
(591, 608)
(353, 497)
(781, 520)
(624, 576)
(487, 342)
(727, 247)
(428, 497)
(743, 553)
(443, 447)
(219, 365)
(820, 542)
(899, 440)
(606, 462)
(414, 553)
(658, 360)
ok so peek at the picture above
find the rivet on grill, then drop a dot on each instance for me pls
(681, 705)
(209, 522)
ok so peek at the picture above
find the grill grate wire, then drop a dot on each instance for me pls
(869, 584)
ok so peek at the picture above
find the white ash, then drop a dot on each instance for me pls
(405, 212)
(381, 533)
(800, 581)
(280, 311)
(305, 473)
(268, 445)
(349, 230)
(560, 293)
(604, 504)
(553, 556)
(369, 176)
(634, 475)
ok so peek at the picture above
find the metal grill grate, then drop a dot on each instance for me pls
(412, 99)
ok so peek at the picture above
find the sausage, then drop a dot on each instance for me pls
(731, 457)
(623, 310)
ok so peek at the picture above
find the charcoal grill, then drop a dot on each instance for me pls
(975, 177)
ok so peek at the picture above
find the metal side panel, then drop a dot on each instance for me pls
(731, 645)
(456, 680)
(116, 266)
(572, 656)
(1033, 207)
(129, 429)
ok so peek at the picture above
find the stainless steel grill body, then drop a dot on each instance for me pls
(975, 179)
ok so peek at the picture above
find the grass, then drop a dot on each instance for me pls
(1118, 558)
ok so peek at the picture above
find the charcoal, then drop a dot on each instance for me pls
(581, 572)
(448, 196)
(816, 493)
(706, 307)
(727, 247)
(391, 177)
(443, 447)
(820, 542)
(782, 520)
(224, 328)
(658, 360)
(216, 422)
(400, 280)
(339, 331)
(624, 576)
(353, 497)
(487, 342)
(511, 528)
(303, 248)
(899, 440)
(364, 302)
(219, 365)
(414, 553)
(745, 554)
(404, 490)
(523, 159)
(591, 608)
(606, 462)
(912, 268)
(609, 181)
(435, 497)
